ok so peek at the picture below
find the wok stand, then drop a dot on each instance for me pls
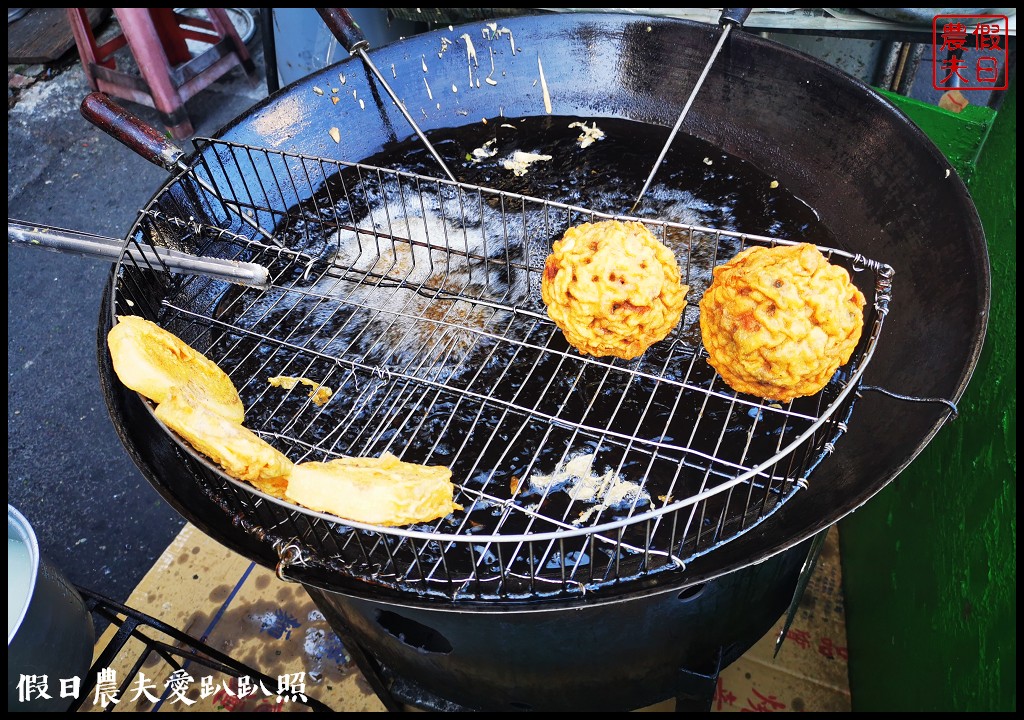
(619, 655)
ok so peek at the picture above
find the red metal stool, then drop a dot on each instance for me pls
(170, 75)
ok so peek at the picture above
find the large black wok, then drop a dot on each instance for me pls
(875, 181)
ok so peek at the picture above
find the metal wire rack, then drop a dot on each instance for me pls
(417, 301)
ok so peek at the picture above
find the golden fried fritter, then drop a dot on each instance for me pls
(778, 322)
(612, 288)
(377, 491)
(242, 453)
(198, 401)
(157, 364)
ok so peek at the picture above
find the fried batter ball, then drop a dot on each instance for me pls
(777, 322)
(157, 364)
(612, 288)
(240, 451)
(378, 491)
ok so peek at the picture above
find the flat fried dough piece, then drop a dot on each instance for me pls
(239, 451)
(376, 491)
(157, 364)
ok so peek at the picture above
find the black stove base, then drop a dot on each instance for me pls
(619, 655)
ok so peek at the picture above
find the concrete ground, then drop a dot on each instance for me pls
(95, 515)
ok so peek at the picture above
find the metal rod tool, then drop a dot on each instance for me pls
(731, 17)
(159, 258)
(351, 37)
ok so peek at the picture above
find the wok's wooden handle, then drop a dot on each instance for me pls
(344, 27)
(130, 130)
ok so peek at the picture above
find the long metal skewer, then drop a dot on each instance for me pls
(75, 242)
(351, 37)
(731, 17)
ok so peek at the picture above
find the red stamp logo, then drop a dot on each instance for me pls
(970, 52)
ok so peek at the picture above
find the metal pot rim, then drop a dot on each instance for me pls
(19, 524)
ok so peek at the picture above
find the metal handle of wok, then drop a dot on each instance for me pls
(347, 31)
(146, 141)
(106, 248)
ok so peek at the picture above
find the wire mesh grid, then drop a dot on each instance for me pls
(417, 302)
